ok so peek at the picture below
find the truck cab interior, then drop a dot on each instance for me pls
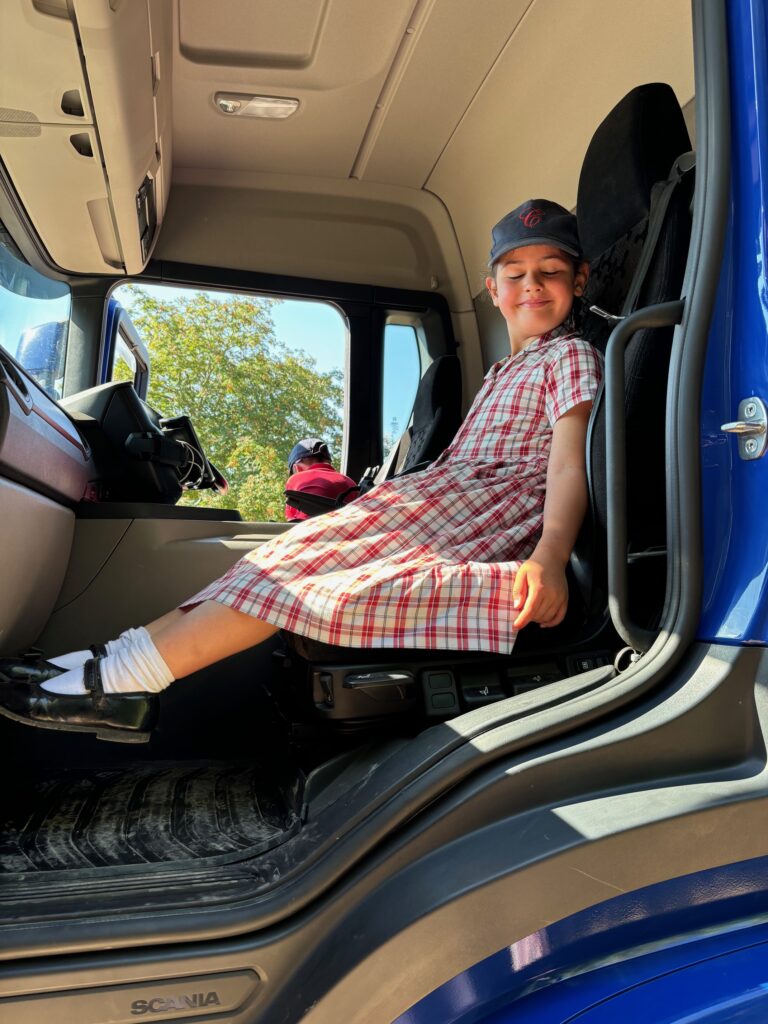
(354, 155)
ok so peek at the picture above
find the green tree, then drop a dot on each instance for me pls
(249, 397)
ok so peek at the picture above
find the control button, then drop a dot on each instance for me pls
(440, 681)
(539, 673)
(474, 695)
(585, 664)
(443, 701)
(534, 682)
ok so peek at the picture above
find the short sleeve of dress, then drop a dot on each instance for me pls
(573, 376)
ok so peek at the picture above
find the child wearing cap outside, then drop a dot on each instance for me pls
(312, 472)
(458, 557)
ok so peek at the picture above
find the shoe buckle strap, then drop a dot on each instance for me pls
(93, 683)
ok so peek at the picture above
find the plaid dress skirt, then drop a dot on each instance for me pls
(428, 560)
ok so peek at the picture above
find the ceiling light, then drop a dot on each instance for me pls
(232, 103)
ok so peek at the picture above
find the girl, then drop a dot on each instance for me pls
(460, 556)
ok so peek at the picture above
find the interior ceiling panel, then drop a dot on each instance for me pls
(457, 44)
(561, 72)
(274, 33)
(331, 55)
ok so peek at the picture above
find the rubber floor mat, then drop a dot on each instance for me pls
(141, 814)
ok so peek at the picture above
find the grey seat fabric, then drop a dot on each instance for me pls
(632, 151)
(436, 411)
(436, 418)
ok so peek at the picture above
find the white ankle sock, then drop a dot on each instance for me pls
(137, 668)
(76, 659)
(127, 637)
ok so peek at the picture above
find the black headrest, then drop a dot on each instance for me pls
(634, 147)
(440, 386)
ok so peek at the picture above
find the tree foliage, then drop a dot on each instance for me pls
(249, 397)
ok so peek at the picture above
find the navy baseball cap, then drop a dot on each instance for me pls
(535, 222)
(309, 446)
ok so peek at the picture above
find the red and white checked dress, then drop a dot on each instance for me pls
(428, 560)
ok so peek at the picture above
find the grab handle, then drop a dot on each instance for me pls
(665, 314)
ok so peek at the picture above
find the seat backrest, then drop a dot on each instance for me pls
(633, 150)
(436, 416)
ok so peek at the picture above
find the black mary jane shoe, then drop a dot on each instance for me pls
(118, 717)
(31, 668)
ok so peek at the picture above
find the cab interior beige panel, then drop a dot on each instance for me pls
(125, 572)
(457, 43)
(465, 330)
(334, 59)
(528, 127)
(345, 231)
(56, 128)
(41, 66)
(276, 37)
(127, 81)
(32, 567)
(161, 45)
(63, 187)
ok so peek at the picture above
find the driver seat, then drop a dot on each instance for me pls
(631, 152)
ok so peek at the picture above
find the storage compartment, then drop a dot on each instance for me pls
(87, 145)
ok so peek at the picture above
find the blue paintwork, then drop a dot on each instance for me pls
(735, 604)
(692, 949)
(110, 328)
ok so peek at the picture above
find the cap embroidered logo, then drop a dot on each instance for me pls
(532, 217)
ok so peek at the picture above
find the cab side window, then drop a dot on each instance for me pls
(402, 371)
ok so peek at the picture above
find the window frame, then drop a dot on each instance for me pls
(365, 309)
(118, 325)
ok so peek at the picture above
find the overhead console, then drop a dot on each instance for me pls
(85, 125)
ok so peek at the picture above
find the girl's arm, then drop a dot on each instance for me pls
(540, 590)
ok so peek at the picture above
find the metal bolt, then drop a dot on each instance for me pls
(750, 409)
(750, 446)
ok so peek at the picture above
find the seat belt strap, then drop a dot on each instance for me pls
(391, 460)
(660, 199)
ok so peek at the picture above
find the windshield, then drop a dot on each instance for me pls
(34, 320)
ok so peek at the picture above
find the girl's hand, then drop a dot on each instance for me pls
(540, 591)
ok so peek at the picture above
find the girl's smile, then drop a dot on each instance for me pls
(534, 287)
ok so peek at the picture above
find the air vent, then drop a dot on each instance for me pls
(82, 143)
(72, 103)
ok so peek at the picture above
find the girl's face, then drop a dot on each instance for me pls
(534, 288)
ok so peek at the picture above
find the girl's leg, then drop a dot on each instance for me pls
(180, 643)
(76, 659)
(157, 625)
(188, 641)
